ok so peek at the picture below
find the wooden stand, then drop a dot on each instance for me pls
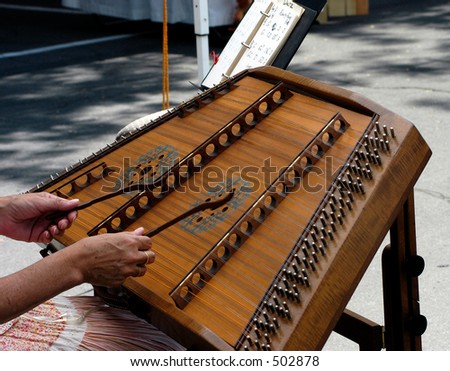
(401, 266)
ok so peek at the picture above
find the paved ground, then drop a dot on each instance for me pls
(60, 104)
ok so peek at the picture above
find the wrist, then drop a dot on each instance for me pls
(4, 205)
(72, 259)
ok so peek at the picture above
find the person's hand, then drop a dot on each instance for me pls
(22, 217)
(108, 259)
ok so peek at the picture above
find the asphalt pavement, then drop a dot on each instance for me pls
(70, 81)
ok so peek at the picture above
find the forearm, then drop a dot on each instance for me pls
(25, 289)
(102, 260)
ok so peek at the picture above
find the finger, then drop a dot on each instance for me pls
(149, 257)
(141, 271)
(65, 204)
(53, 202)
(72, 216)
(63, 224)
(139, 231)
(67, 221)
(145, 243)
(53, 230)
(45, 237)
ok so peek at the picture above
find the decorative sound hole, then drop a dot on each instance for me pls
(149, 170)
(147, 167)
(209, 219)
(132, 179)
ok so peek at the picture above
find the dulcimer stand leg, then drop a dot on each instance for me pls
(401, 267)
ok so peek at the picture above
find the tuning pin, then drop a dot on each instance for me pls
(333, 198)
(249, 340)
(333, 226)
(392, 132)
(305, 251)
(333, 218)
(332, 206)
(315, 257)
(378, 160)
(331, 235)
(350, 196)
(361, 187)
(316, 229)
(377, 126)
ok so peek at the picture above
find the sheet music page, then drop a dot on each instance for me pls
(257, 40)
(271, 36)
(234, 47)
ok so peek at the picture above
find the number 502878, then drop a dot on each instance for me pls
(295, 361)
